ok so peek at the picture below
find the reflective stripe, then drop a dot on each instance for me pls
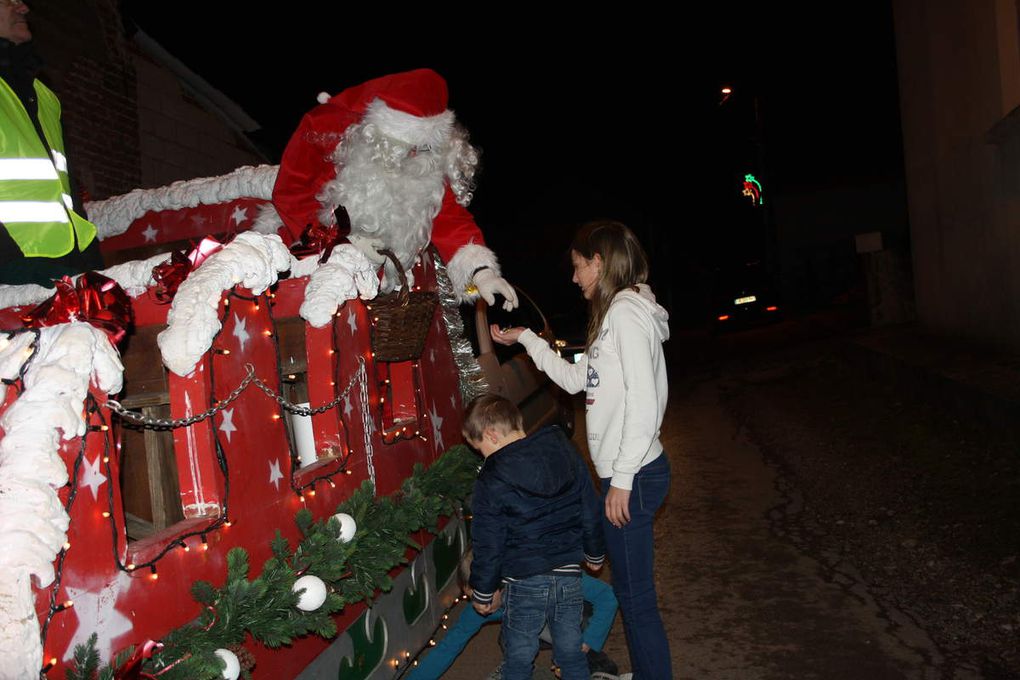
(68, 201)
(27, 168)
(32, 211)
(59, 160)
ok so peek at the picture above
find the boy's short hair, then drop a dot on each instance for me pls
(490, 411)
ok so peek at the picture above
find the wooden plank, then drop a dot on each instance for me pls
(164, 487)
(143, 372)
(134, 474)
(291, 336)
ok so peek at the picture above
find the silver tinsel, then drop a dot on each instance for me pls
(469, 372)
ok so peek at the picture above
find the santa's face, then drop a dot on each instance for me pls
(392, 190)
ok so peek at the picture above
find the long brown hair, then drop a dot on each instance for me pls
(624, 265)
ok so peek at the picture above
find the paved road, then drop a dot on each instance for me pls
(740, 600)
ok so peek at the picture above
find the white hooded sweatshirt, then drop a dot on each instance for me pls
(624, 375)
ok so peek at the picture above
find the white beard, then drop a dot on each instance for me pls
(389, 194)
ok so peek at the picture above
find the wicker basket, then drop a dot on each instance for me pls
(401, 319)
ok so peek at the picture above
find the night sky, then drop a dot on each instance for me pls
(581, 117)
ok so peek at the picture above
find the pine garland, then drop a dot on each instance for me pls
(266, 607)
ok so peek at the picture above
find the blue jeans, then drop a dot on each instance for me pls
(530, 603)
(632, 560)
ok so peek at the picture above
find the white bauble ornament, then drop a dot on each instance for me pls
(233, 669)
(314, 595)
(348, 527)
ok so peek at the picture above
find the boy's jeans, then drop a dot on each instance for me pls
(532, 601)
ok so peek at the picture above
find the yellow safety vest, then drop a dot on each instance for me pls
(35, 190)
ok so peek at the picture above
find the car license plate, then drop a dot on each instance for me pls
(745, 300)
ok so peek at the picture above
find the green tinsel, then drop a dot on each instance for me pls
(266, 607)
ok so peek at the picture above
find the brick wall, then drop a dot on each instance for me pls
(128, 122)
(179, 138)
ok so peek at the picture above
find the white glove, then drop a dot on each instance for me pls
(489, 283)
(370, 247)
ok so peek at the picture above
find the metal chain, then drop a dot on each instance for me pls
(366, 423)
(170, 424)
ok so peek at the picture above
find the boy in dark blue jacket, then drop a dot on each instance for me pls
(535, 520)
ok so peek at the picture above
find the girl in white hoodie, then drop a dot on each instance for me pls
(624, 375)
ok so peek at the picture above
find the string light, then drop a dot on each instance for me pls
(153, 576)
(106, 513)
(48, 667)
(224, 352)
(67, 546)
(99, 428)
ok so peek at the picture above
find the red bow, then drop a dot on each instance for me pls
(319, 238)
(170, 274)
(132, 668)
(94, 299)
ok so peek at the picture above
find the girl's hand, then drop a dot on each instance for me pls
(618, 507)
(505, 336)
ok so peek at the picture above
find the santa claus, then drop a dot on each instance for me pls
(391, 153)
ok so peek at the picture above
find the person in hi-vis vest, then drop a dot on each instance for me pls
(43, 235)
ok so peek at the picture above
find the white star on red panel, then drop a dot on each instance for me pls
(92, 477)
(150, 234)
(274, 473)
(227, 426)
(241, 330)
(97, 613)
(437, 425)
(240, 215)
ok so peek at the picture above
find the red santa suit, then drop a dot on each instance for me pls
(410, 107)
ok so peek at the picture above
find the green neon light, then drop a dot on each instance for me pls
(753, 190)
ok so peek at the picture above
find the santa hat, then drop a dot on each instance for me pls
(408, 106)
